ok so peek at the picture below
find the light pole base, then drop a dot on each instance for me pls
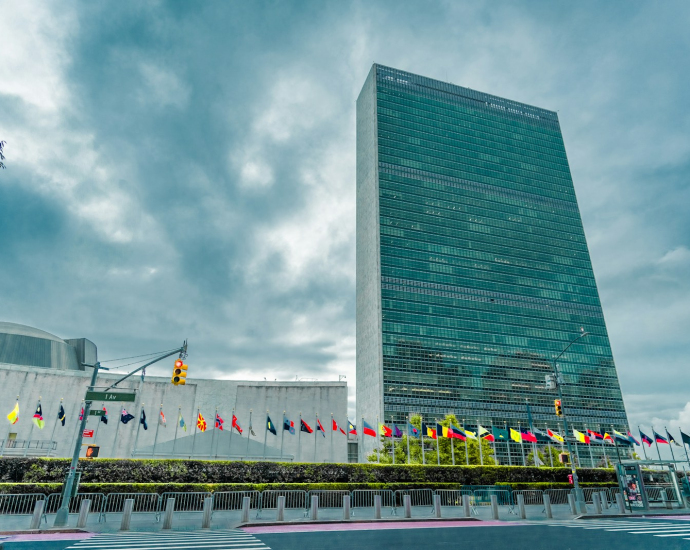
(61, 518)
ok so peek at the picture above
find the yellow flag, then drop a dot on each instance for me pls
(469, 434)
(515, 435)
(14, 415)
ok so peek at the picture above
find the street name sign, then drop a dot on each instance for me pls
(110, 396)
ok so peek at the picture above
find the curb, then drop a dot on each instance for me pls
(345, 522)
(42, 531)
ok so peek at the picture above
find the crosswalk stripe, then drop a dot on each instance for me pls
(174, 540)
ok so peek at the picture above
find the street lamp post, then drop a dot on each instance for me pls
(579, 496)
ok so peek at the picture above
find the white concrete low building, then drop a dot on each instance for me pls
(56, 379)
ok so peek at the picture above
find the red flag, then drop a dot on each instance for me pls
(81, 414)
(219, 422)
(319, 428)
(236, 425)
(335, 425)
(342, 431)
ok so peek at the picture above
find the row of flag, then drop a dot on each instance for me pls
(432, 431)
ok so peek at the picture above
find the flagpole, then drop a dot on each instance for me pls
(493, 444)
(98, 425)
(316, 432)
(7, 437)
(467, 452)
(655, 443)
(196, 427)
(641, 441)
(265, 435)
(75, 431)
(408, 438)
(213, 433)
(510, 458)
(136, 439)
(117, 430)
(299, 439)
(360, 447)
(57, 419)
(548, 444)
(669, 446)
(522, 447)
(177, 425)
(158, 425)
(378, 452)
(481, 454)
(31, 430)
(531, 429)
(232, 430)
(438, 450)
(452, 447)
(249, 432)
(393, 440)
(591, 456)
(282, 438)
(332, 458)
(684, 447)
(422, 437)
(603, 443)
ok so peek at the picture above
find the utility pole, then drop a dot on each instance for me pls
(62, 515)
(579, 496)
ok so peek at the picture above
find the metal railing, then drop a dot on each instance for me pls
(418, 497)
(232, 500)
(53, 503)
(328, 499)
(558, 496)
(293, 500)
(364, 498)
(482, 497)
(184, 502)
(532, 496)
(114, 503)
(19, 504)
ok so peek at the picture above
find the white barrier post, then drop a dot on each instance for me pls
(38, 514)
(596, 499)
(521, 506)
(621, 503)
(207, 513)
(127, 514)
(604, 500)
(83, 513)
(280, 508)
(246, 504)
(314, 512)
(437, 506)
(407, 506)
(571, 501)
(466, 505)
(547, 506)
(169, 511)
(346, 507)
(377, 506)
(494, 506)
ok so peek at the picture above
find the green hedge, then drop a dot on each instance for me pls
(107, 488)
(46, 470)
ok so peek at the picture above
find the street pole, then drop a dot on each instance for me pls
(62, 515)
(579, 495)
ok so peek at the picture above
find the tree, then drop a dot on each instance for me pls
(2, 156)
(445, 453)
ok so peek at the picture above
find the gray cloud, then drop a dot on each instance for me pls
(177, 172)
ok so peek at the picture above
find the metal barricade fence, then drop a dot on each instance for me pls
(114, 503)
(184, 502)
(232, 500)
(453, 497)
(293, 499)
(364, 498)
(54, 500)
(328, 499)
(532, 496)
(19, 504)
(588, 493)
(557, 496)
(482, 497)
(418, 497)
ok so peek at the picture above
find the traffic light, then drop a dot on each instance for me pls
(92, 451)
(179, 373)
(558, 407)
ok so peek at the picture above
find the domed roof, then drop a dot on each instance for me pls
(23, 330)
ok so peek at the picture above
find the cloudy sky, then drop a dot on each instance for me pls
(187, 170)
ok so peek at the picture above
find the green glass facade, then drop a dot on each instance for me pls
(473, 271)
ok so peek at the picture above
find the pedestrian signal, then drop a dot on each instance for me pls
(92, 451)
(179, 373)
(559, 408)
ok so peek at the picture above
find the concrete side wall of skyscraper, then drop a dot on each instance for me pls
(473, 271)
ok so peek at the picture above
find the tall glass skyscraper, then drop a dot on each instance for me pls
(473, 272)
